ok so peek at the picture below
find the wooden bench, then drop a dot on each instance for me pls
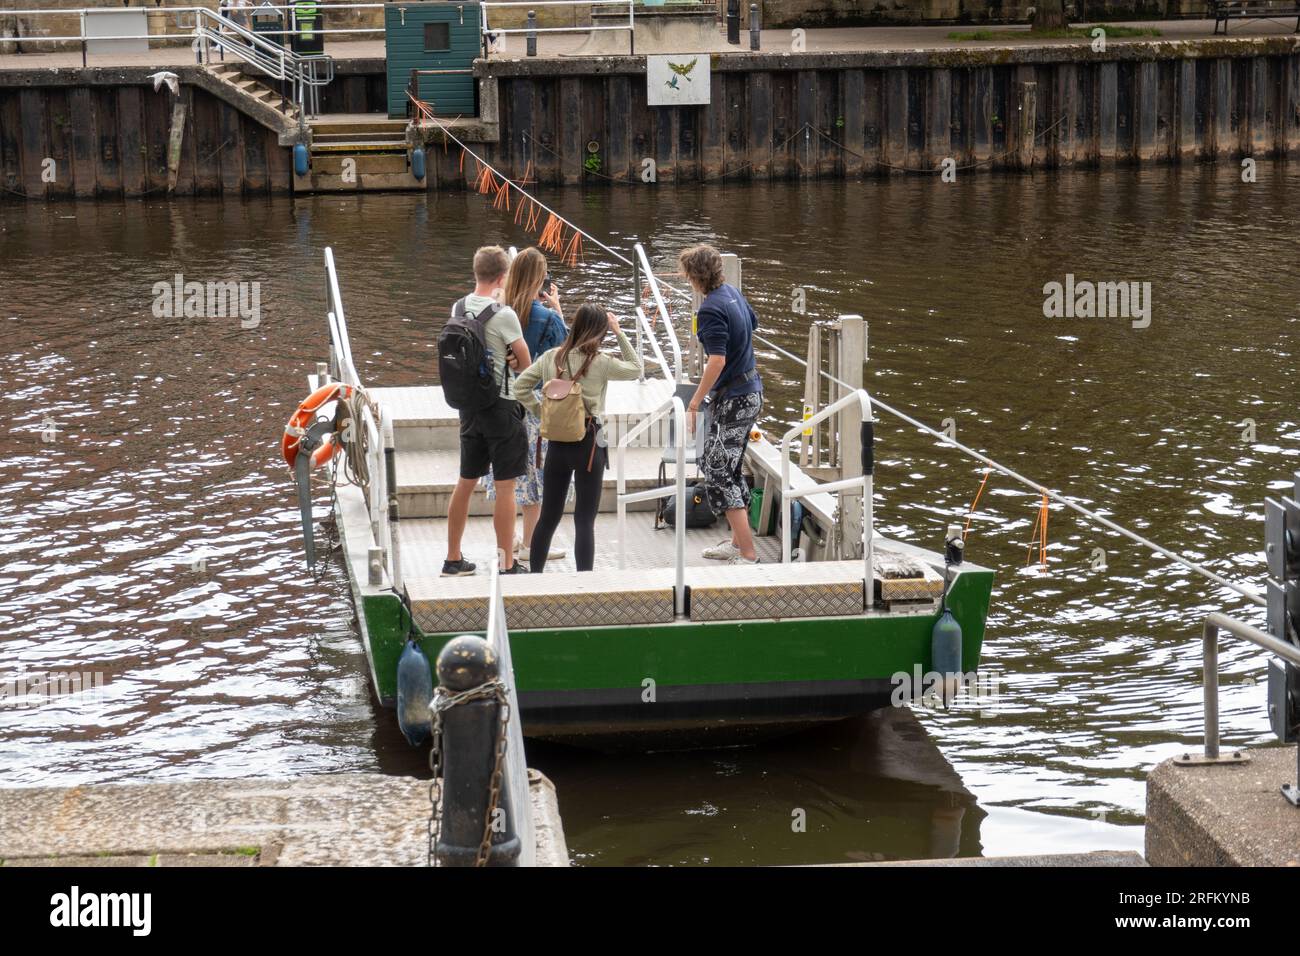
(1225, 10)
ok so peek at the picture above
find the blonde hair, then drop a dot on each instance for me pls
(702, 265)
(523, 282)
(490, 262)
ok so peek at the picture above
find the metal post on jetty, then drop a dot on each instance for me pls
(476, 825)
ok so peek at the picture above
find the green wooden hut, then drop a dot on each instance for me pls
(432, 35)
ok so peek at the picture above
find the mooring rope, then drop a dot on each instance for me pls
(1050, 493)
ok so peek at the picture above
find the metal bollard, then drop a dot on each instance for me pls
(733, 21)
(532, 33)
(470, 732)
(753, 26)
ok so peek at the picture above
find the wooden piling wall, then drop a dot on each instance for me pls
(851, 115)
(108, 137)
(771, 117)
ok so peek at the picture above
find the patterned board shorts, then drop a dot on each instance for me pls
(730, 422)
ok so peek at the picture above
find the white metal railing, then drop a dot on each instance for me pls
(376, 432)
(679, 371)
(306, 72)
(1215, 622)
(678, 489)
(789, 493)
(491, 31)
(176, 13)
(643, 327)
(341, 366)
(516, 768)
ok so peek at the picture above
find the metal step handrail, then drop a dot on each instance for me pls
(677, 489)
(307, 72)
(643, 324)
(376, 428)
(678, 369)
(864, 481)
(345, 371)
(1215, 622)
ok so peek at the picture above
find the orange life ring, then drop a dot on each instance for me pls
(304, 416)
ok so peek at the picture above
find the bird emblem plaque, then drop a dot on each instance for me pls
(677, 79)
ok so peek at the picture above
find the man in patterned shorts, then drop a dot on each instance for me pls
(734, 393)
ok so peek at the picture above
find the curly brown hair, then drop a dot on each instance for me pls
(702, 265)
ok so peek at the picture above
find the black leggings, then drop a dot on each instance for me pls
(565, 461)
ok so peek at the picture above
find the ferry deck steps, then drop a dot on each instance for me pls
(426, 435)
(640, 594)
(422, 419)
(426, 479)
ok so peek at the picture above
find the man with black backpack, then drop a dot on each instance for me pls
(474, 358)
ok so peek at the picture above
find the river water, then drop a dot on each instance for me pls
(148, 528)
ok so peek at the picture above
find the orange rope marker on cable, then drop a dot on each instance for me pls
(552, 234)
(503, 196)
(970, 514)
(1042, 554)
(573, 252)
(555, 235)
(1039, 536)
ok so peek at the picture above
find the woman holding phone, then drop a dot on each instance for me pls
(535, 299)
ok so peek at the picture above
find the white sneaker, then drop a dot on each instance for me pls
(722, 551)
(555, 554)
(739, 558)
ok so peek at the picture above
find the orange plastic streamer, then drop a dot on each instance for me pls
(1039, 536)
(573, 252)
(970, 514)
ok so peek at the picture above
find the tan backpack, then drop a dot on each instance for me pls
(564, 414)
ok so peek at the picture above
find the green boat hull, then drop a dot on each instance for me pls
(723, 679)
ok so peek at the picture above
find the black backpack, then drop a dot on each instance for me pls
(463, 363)
(698, 512)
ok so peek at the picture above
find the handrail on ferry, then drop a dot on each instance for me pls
(346, 371)
(643, 323)
(515, 773)
(678, 489)
(788, 493)
(678, 369)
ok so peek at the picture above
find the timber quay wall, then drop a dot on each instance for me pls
(772, 116)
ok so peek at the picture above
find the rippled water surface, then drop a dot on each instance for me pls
(134, 445)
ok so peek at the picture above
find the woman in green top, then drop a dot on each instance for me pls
(583, 462)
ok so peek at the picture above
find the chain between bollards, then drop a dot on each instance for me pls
(468, 825)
